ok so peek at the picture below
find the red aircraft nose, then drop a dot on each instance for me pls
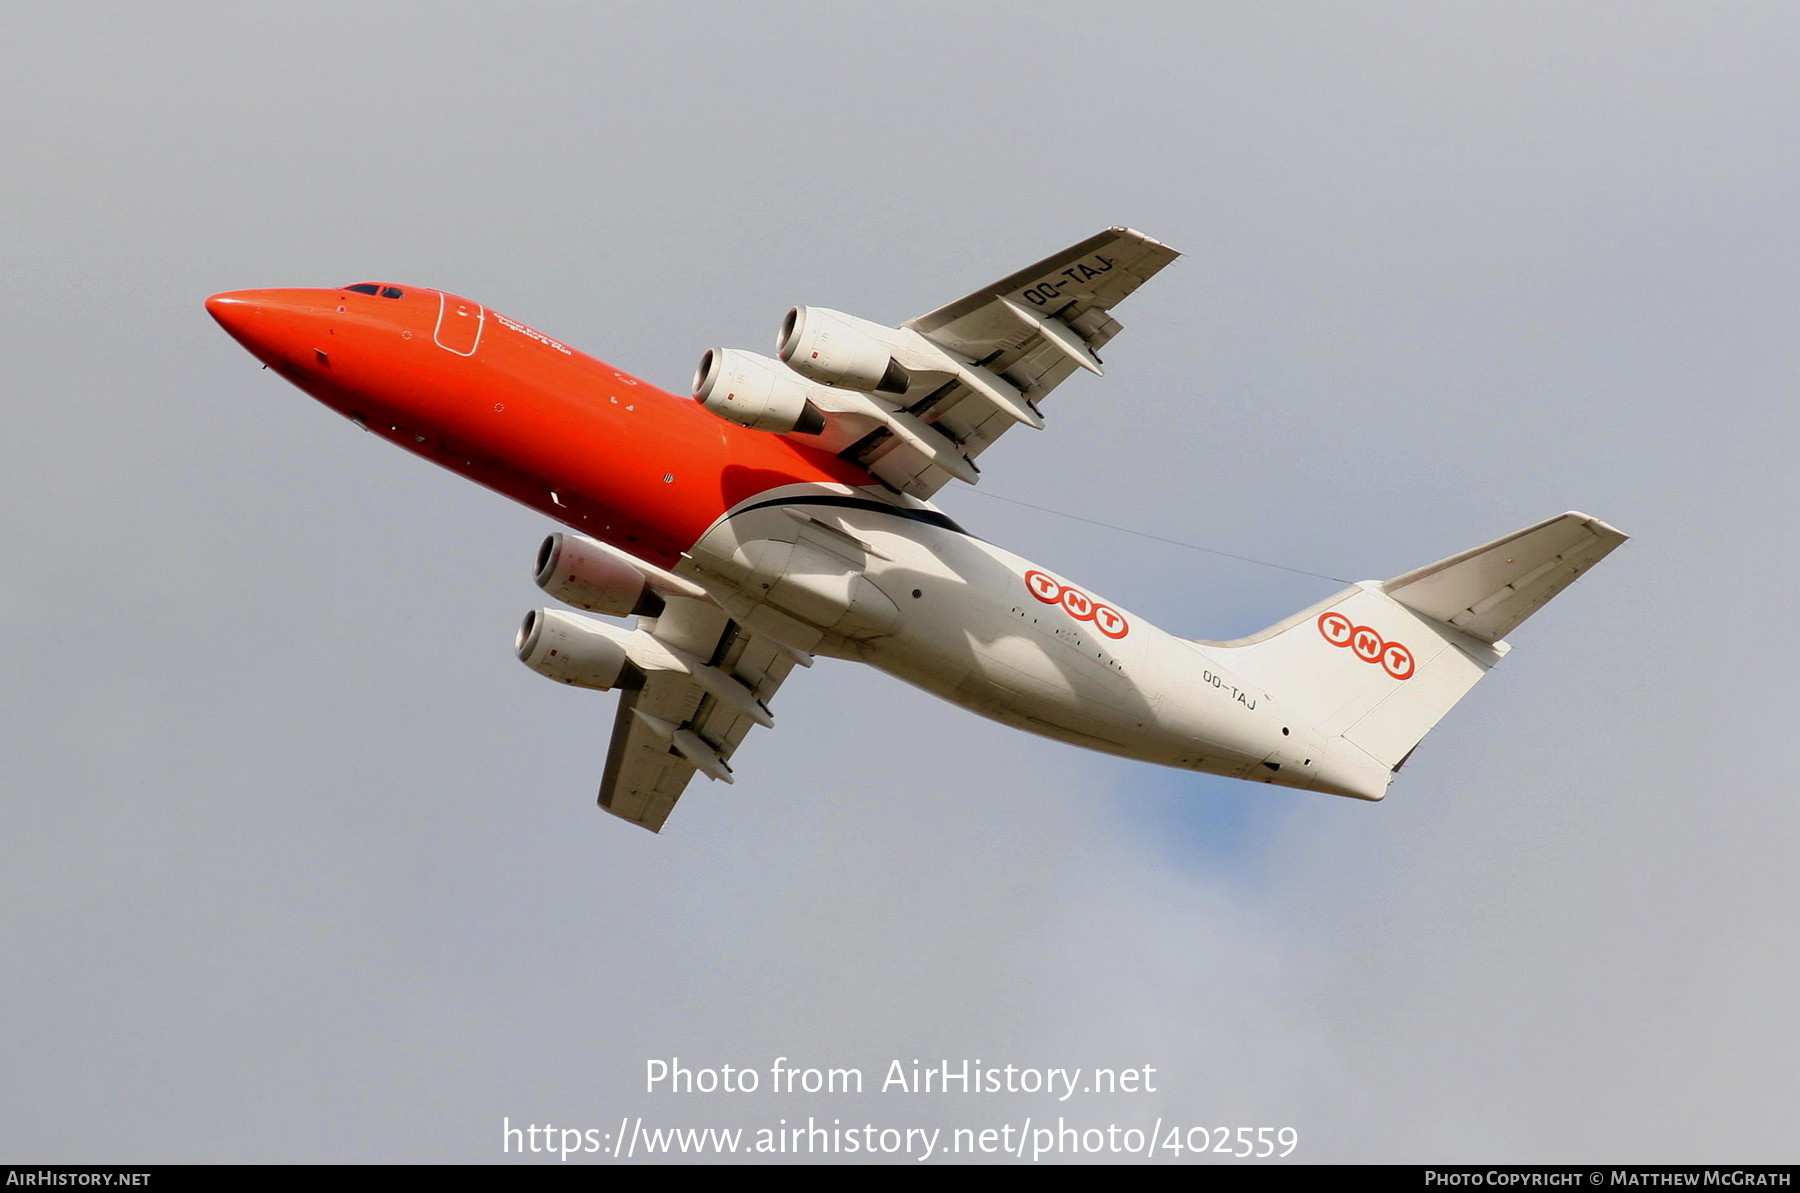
(275, 325)
(241, 312)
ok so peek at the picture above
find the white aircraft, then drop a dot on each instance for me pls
(798, 522)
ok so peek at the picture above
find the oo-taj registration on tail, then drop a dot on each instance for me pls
(785, 511)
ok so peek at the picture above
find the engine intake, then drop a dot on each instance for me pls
(756, 392)
(829, 347)
(578, 571)
(573, 649)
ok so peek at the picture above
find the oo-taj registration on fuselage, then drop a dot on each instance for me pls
(785, 511)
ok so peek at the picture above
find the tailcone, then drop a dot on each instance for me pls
(1343, 769)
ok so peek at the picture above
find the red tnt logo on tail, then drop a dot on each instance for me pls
(1366, 644)
(1077, 604)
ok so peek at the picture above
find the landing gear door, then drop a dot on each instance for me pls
(459, 324)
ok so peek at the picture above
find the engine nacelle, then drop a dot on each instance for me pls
(756, 392)
(833, 348)
(573, 649)
(579, 571)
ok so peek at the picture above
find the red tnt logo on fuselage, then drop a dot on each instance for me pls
(1366, 644)
(1077, 604)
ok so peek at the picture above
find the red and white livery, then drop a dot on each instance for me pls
(785, 511)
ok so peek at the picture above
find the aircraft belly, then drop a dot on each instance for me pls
(957, 617)
(822, 587)
(786, 569)
(967, 636)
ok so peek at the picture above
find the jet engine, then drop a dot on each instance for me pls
(756, 392)
(573, 649)
(580, 572)
(833, 348)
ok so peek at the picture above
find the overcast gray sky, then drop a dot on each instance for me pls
(298, 863)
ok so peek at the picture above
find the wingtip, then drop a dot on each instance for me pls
(1603, 529)
(1122, 230)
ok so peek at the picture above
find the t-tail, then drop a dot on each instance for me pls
(1378, 664)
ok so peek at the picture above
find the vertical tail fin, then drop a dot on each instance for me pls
(1379, 664)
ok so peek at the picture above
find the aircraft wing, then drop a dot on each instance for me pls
(1028, 332)
(674, 724)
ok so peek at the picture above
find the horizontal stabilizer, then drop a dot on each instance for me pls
(1486, 592)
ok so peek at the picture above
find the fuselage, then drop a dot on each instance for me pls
(794, 541)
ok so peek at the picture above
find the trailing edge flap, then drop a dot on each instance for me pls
(1486, 592)
(1026, 333)
(646, 768)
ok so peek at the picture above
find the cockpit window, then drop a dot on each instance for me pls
(365, 288)
(377, 288)
(392, 292)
